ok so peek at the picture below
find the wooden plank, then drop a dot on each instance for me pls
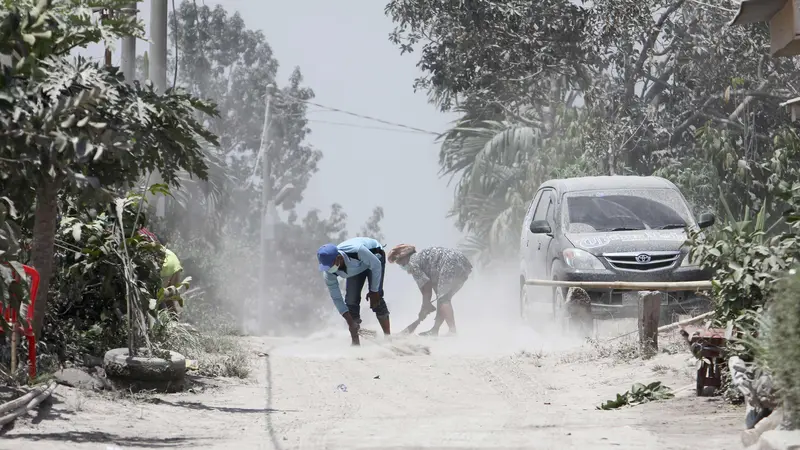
(626, 285)
(649, 313)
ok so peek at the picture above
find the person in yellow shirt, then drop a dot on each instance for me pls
(171, 275)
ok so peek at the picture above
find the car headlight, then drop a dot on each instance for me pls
(581, 260)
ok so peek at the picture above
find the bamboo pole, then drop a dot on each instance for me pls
(32, 403)
(688, 321)
(626, 285)
(17, 402)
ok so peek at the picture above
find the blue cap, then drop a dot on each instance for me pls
(326, 255)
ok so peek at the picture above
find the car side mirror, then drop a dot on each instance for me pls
(540, 227)
(706, 220)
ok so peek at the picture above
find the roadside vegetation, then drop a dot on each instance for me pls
(619, 87)
(78, 146)
(661, 87)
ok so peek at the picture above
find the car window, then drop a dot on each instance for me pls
(531, 208)
(551, 209)
(529, 215)
(543, 207)
(623, 209)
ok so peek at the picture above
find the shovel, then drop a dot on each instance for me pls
(410, 329)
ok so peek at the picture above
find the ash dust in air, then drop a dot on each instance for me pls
(487, 317)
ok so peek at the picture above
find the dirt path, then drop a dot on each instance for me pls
(408, 393)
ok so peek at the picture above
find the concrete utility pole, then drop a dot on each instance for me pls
(128, 49)
(158, 44)
(267, 200)
(158, 69)
(106, 14)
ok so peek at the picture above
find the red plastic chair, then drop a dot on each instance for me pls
(12, 318)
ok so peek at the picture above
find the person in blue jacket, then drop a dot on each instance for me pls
(357, 260)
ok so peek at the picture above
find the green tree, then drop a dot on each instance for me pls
(662, 87)
(219, 58)
(67, 124)
(490, 50)
(372, 228)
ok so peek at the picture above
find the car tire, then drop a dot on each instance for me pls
(140, 372)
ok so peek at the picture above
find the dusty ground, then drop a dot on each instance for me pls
(463, 392)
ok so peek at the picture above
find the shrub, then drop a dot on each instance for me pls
(745, 265)
(216, 354)
(88, 311)
(783, 346)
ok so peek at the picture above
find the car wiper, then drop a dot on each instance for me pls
(625, 229)
(672, 226)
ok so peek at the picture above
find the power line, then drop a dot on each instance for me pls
(361, 116)
(355, 125)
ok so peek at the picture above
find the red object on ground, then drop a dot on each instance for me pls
(706, 344)
(11, 316)
(149, 234)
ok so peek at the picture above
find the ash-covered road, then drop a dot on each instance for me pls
(407, 393)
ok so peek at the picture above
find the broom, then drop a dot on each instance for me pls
(410, 329)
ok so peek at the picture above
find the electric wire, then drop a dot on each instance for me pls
(360, 116)
(366, 127)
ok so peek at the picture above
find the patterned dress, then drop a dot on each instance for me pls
(446, 269)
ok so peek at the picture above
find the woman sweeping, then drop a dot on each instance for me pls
(435, 269)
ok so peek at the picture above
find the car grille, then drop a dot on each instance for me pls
(642, 261)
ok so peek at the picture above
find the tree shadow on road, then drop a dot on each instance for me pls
(47, 412)
(106, 438)
(204, 407)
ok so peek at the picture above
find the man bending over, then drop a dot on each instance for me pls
(356, 260)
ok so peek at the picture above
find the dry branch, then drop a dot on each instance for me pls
(646, 47)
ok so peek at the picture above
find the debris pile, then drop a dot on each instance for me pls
(757, 387)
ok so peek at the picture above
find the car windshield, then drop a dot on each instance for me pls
(623, 210)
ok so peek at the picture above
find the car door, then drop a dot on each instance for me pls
(547, 240)
(538, 243)
(524, 244)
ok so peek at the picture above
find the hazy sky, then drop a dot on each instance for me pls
(343, 51)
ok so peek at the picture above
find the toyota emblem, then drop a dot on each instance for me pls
(643, 258)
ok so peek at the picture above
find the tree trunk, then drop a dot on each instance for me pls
(43, 251)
